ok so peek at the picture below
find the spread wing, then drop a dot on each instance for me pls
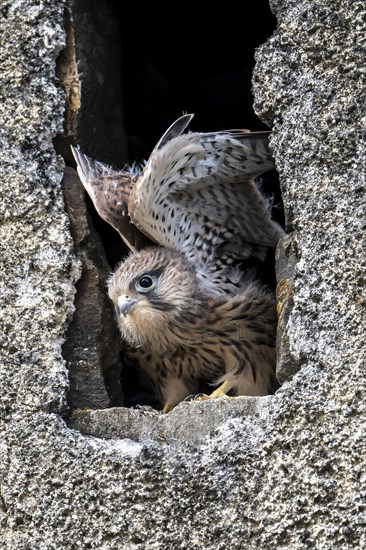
(197, 194)
(109, 190)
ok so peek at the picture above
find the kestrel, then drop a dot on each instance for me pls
(192, 216)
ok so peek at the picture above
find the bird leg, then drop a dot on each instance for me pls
(173, 392)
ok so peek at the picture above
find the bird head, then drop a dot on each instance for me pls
(152, 289)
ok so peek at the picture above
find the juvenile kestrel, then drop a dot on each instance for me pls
(192, 216)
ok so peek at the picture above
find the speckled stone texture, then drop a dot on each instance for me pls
(284, 472)
(93, 343)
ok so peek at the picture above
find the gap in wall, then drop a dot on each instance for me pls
(175, 63)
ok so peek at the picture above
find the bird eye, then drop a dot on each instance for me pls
(145, 283)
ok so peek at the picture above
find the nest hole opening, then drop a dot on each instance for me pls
(137, 73)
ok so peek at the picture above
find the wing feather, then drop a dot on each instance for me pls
(198, 194)
(109, 190)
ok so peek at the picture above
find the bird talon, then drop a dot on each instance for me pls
(192, 397)
(218, 392)
(201, 397)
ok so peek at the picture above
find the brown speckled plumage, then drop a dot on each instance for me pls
(187, 314)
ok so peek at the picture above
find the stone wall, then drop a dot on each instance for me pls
(286, 471)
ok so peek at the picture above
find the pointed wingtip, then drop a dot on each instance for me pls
(85, 166)
(76, 152)
(186, 119)
(174, 130)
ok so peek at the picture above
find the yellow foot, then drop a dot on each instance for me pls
(168, 407)
(219, 392)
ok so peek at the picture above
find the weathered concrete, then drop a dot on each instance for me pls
(286, 471)
(38, 266)
(93, 342)
(202, 419)
(90, 70)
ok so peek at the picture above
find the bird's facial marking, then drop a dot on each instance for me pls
(137, 299)
(150, 286)
(149, 289)
(145, 283)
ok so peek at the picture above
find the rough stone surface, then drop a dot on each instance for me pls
(316, 105)
(90, 71)
(37, 263)
(93, 343)
(202, 419)
(286, 260)
(288, 471)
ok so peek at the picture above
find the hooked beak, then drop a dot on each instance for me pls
(125, 304)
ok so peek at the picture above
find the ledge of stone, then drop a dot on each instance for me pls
(189, 424)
